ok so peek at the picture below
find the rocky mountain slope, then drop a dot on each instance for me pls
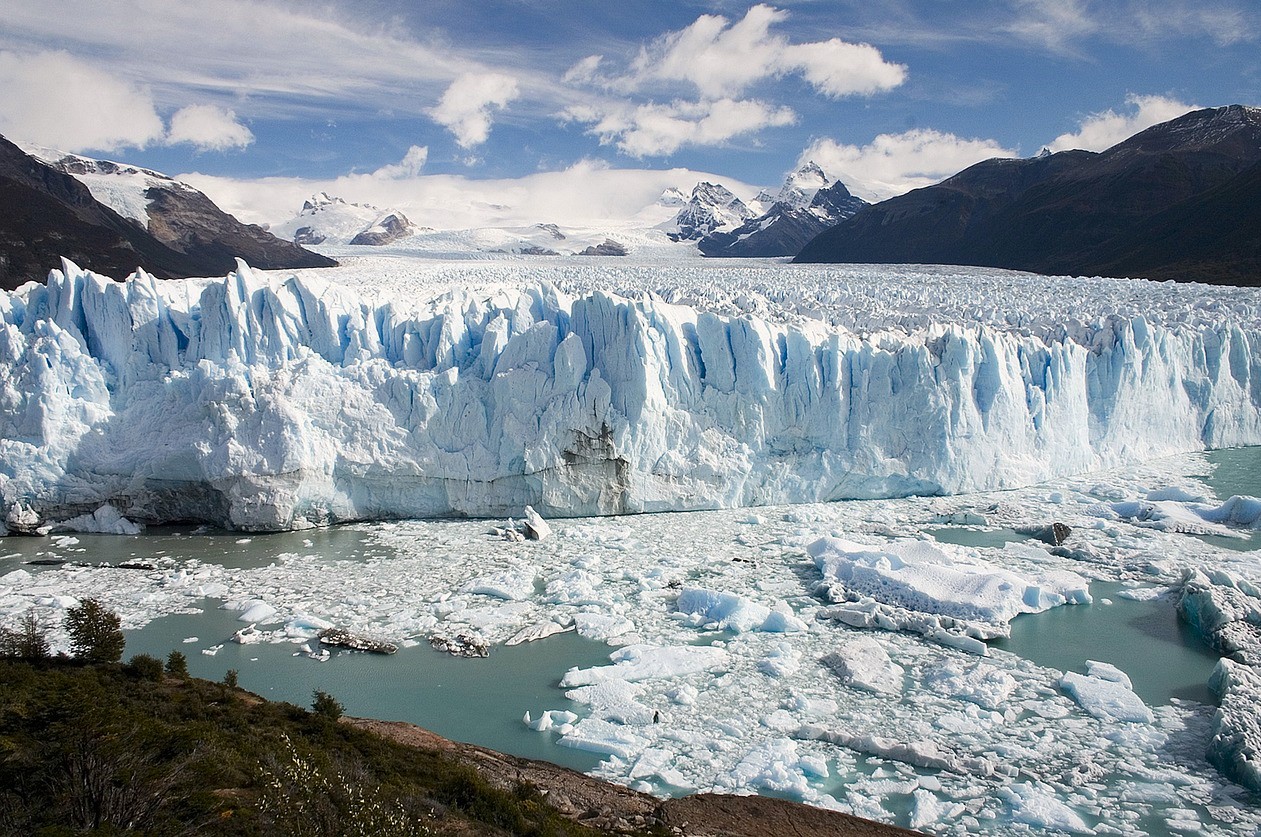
(710, 207)
(1177, 201)
(807, 205)
(49, 212)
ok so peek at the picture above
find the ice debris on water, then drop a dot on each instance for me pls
(948, 594)
(106, 520)
(864, 664)
(342, 638)
(1105, 692)
(461, 645)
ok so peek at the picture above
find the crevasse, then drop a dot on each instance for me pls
(263, 403)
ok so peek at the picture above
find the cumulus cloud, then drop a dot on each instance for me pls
(1104, 130)
(411, 164)
(653, 129)
(465, 109)
(55, 99)
(208, 128)
(722, 59)
(892, 164)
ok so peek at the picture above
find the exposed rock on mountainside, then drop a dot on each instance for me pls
(807, 205)
(711, 207)
(48, 214)
(1180, 200)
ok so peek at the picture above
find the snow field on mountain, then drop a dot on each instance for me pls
(961, 744)
(401, 388)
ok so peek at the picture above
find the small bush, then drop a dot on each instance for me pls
(95, 632)
(145, 667)
(229, 678)
(326, 706)
(177, 664)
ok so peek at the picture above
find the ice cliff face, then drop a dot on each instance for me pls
(266, 403)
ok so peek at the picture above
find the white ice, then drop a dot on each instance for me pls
(399, 388)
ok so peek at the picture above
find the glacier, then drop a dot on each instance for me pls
(283, 401)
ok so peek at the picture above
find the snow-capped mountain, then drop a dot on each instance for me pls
(801, 186)
(117, 217)
(325, 219)
(807, 204)
(711, 207)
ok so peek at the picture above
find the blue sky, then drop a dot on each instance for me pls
(889, 95)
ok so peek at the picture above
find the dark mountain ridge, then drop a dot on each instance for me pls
(45, 214)
(1171, 202)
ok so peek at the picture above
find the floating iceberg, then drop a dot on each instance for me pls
(935, 589)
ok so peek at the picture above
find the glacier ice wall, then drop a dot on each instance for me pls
(266, 403)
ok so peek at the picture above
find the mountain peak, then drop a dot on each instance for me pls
(1233, 129)
(802, 185)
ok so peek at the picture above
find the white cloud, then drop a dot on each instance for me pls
(585, 71)
(1052, 24)
(465, 109)
(1104, 130)
(320, 59)
(654, 129)
(892, 164)
(57, 100)
(586, 194)
(722, 59)
(208, 128)
(411, 164)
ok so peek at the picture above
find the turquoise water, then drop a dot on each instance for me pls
(480, 701)
(1234, 471)
(234, 550)
(1162, 656)
(973, 536)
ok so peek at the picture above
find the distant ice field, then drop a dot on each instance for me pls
(861, 298)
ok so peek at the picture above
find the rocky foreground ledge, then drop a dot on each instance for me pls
(616, 809)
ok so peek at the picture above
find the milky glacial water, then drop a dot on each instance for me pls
(480, 701)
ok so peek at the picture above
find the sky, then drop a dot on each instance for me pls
(259, 102)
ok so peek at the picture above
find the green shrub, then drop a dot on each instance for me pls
(95, 632)
(229, 678)
(145, 667)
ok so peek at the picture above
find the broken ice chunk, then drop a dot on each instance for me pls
(647, 662)
(863, 664)
(1037, 806)
(536, 528)
(1106, 699)
(514, 584)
